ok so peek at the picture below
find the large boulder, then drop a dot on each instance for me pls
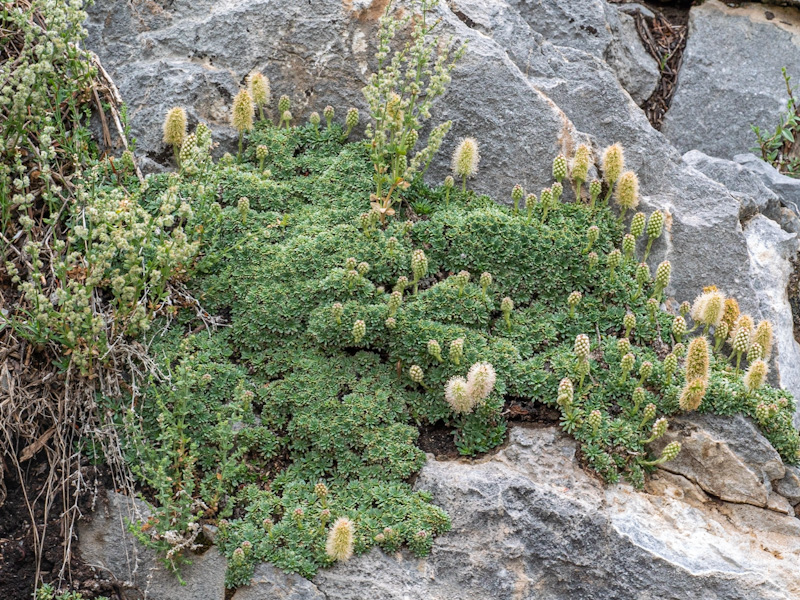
(530, 523)
(730, 76)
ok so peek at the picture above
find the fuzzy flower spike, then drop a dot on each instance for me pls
(259, 89)
(175, 130)
(465, 160)
(242, 114)
(339, 545)
(613, 163)
(626, 193)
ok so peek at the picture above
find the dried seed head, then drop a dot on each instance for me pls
(763, 337)
(731, 312)
(581, 163)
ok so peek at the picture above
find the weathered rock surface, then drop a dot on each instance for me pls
(787, 188)
(270, 583)
(731, 77)
(789, 486)
(106, 544)
(529, 523)
(726, 457)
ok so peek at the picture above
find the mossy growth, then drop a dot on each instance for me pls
(286, 397)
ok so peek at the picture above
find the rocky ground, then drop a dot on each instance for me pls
(538, 78)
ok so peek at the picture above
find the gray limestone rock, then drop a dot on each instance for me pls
(731, 77)
(726, 457)
(787, 188)
(529, 523)
(270, 583)
(771, 253)
(789, 486)
(106, 544)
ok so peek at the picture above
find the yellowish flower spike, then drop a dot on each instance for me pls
(465, 160)
(339, 545)
(763, 337)
(259, 89)
(242, 114)
(697, 359)
(580, 167)
(612, 162)
(626, 192)
(756, 375)
(175, 124)
(692, 394)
